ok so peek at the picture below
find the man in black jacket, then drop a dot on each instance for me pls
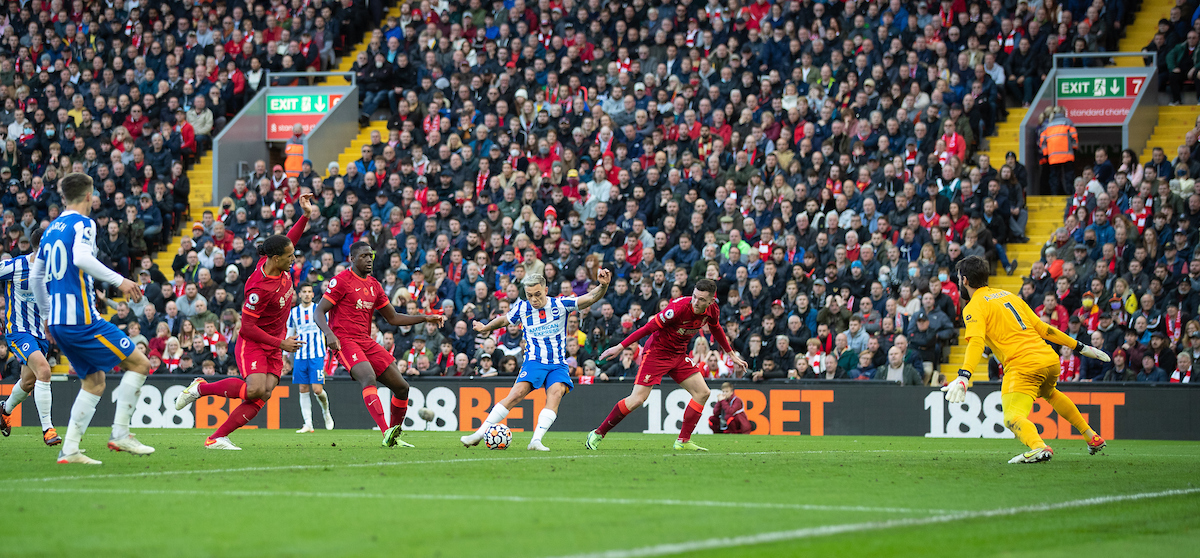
(375, 84)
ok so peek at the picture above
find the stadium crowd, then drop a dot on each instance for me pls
(1123, 272)
(818, 160)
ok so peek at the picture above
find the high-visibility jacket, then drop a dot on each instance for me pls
(1059, 140)
(295, 159)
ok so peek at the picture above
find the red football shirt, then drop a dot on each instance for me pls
(355, 300)
(679, 324)
(268, 300)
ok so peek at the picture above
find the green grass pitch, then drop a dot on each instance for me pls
(339, 494)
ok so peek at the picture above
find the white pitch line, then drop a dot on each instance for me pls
(477, 497)
(826, 530)
(298, 467)
(486, 459)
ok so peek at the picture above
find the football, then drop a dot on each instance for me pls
(425, 413)
(498, 437)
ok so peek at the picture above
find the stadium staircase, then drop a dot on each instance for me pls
(347, 61)
(1041, 218)
(1142, 30)
(353, 152)
(1173, 125)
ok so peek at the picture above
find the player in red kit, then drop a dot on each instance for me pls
(666, 353)
(261, 342)
(351, 300)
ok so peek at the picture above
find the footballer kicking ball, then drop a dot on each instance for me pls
(498, 437)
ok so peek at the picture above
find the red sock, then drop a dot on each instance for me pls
(399, 410)
(370, 395)
(229, 387)
(239, 417)
(691, 416)
(615, 416)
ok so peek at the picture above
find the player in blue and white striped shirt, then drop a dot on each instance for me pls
(308, 362)
(544, 322)
(26, 339)
(62, 281)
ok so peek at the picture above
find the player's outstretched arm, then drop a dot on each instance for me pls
(306, 209)
(496, 323)
(397, 319)
(722, 340)
(331, 340)
(252, 331)
(84, 258)
(652, 326)
(1056, 336)
(589, 298)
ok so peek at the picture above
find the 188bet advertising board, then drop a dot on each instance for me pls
(810, 408)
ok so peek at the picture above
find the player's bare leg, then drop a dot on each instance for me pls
(1017, 407)
(257, 389)
(499, 412)
(394, 380)
(323, 399)
(90, 390)
(305, 408)
(554, 395)
(136, 367)
(35, 379)
(618, 414)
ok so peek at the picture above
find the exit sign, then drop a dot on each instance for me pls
(1099, 87)
(301, 104)
(285, 111)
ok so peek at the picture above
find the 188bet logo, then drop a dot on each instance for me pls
(973, 418)
(156, 409)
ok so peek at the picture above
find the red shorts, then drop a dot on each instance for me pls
(253, 358)
(365, 350)
(656, 365)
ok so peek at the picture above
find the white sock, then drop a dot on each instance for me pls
(323, 399)
(81, 416)
(127, 396)
(15, 398)
(499, 413)
(306, 408)
(545, 420)
(41, 396)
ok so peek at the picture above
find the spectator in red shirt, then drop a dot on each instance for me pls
(729, 416)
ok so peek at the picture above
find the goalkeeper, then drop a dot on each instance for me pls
(1017, 337)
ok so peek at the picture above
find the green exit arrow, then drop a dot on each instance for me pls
(320, 106)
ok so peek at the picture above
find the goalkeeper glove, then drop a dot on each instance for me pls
(956, 391)
(1092, 352)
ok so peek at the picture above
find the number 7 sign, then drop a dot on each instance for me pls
(1133, 85)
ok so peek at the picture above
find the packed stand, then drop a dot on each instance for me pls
(132, 94)
(1123, 272)
(818, 162)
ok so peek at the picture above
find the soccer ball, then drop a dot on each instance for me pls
(425, 413)
(498, 437)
